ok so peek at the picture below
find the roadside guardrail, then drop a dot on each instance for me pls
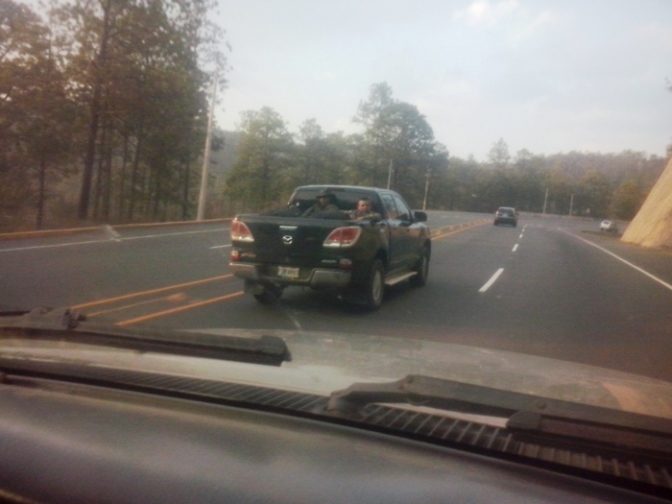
(21, 235)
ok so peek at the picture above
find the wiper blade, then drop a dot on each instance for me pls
(63, 324)
(529, 416)
(41, 318)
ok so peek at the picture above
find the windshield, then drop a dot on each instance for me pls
(481, 186)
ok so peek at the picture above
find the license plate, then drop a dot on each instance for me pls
(285, 272)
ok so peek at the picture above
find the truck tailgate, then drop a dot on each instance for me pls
(289, 240)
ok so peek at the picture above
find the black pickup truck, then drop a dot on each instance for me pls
(331, 250)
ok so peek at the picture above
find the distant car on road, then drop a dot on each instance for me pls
(506, 215)
(609, 226)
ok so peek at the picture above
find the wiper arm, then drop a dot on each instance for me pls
(41, 318)
(528, 415)
(63, 324)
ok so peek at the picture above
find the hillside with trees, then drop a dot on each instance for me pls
(396, 148)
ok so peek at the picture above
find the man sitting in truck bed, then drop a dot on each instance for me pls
(364, 211)
(326, 202)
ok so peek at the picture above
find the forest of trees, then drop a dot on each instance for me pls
(103, 116)
(106, 99)
(397, 149)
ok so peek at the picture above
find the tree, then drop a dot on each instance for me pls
(595, 192)
(528, 176)
(35, 109)
(398, 143)
(20, 46)
(135, 69)
(264, 152)
(311, 154)
(371, 115)
(626, 201)
(318, 158)
(499, 154)
(411, 146)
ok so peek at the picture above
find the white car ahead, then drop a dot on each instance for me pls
(609, 226)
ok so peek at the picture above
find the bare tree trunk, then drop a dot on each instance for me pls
(41, 194)
(185, 192)
(101, 64)
(156, 194)
(107, 193)
(100, 179)
(145, 182)
(122, 179)
(134, 178)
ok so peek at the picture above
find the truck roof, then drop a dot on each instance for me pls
(337, 187)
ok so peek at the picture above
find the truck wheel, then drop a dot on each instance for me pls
(375, 286)
(269, 295)
(421, 269)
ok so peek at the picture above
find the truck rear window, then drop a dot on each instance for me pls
(345, 200)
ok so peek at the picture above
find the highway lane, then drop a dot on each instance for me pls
(543, 288)
(110, 262)
(559, 296)
(70, 270)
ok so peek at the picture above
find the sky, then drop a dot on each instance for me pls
(546, 76)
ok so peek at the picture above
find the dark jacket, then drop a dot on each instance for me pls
(329, 207)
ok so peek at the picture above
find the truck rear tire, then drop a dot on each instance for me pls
(375, 286)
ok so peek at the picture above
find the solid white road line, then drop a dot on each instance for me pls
(37, 247)
(637, 268)
(220, 246)
(171, 234)
(109, 239)
(492, 280)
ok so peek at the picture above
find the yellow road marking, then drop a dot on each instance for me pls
(173, 311)
(450, 233)
(175, 298)
(149, 292)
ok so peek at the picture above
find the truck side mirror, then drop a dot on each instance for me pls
(420, 216)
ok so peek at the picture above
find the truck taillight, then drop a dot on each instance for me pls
(235, 255)
(343, 237)
(240, 232)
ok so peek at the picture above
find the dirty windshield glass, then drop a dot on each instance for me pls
(149, 152)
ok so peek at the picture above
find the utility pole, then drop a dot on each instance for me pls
(389, 174)
(545, 200)
(424, 201)
(206, 154)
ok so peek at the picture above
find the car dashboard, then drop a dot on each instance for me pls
(118, 436)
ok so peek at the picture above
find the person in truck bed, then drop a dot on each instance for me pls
(326, 202)
(364, 211)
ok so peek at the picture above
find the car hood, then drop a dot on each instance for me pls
(324, 362)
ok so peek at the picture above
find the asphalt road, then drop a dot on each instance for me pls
(553, 287)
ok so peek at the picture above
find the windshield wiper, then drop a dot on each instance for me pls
(529, 416)
(63, 324)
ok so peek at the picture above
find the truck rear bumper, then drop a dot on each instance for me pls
(317, 278)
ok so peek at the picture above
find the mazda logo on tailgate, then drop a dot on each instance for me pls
(287, 239)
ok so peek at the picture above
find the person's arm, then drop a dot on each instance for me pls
(368, 216)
